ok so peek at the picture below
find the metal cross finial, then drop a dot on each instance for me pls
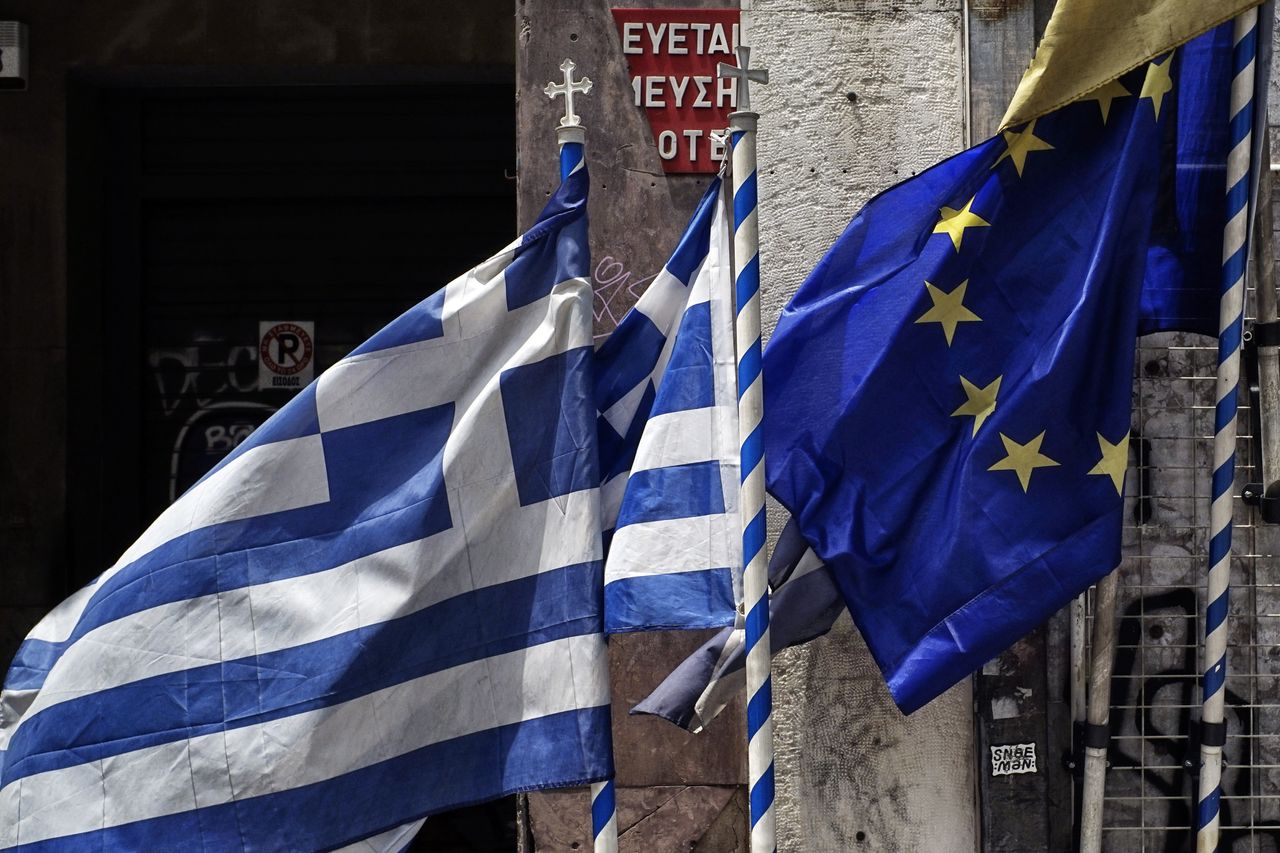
(567, 88)
(744, 73)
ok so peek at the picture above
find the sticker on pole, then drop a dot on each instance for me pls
(286, 354)
(1011, 758)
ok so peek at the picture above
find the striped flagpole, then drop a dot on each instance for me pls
(755, 573)
(1231, 315)
(572, 137)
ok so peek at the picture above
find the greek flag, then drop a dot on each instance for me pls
(384, 604)
(668, 442)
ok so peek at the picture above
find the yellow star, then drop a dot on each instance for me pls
(981, 402)
(954, 222)
(1020, 144)
(948, 309)
(1114, 461)
(1105, 94)
(1158, 83)
(1023, 458)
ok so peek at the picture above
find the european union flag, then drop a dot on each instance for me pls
(948, 395)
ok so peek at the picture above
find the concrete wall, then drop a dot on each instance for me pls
(861, 95)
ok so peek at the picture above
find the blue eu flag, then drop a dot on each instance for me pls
(947, 396)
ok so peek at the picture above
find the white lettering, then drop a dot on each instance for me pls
(701, 30)
(702, 91)
(631, 37)
(635, 87)
(655, 37)
(675, 43)
(726, 91)
(678, 87)
(735, 36)
(718, 43)
(693, 136)
(653, 92)
(667, 145)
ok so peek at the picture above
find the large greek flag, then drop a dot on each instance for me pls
(384, 604)
(669, 434)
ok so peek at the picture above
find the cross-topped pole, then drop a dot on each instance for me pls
(755, 564)
(743, 75)
(572, 137)
(569, 132)
(568, 88)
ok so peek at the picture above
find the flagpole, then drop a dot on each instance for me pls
(755, 573)
(1097, 730)
(1231, 308)
(572, 137)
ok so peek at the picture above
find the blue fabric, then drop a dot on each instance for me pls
(1180, 287)
(549, 463)
(677, 491)
(689, 382)
(684, 600)
(943, 560)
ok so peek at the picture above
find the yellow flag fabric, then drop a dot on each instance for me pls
(1089, 43)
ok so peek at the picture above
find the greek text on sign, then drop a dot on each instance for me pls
(672, 55)
(286, 354)
(1012, 758)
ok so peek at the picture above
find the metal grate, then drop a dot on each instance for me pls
(1155, 694)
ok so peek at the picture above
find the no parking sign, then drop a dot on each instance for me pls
(286, 354)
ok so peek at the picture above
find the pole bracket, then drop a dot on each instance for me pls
(1265, 496)
(1086, 736)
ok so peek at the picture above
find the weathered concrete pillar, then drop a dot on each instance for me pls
(860, 96)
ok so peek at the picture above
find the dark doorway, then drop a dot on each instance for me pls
(197, 213)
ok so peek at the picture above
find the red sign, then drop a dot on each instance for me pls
(672, 55)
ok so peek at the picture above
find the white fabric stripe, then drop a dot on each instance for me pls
(720, 286)
(386, 842)
(272, 478)
(674, 545)
(283, 614)
(305, 748)
(611, 494)
(477, 450)
(809, 562)
(665, 299)
(410, 378)
(677, 438)
(623, 412)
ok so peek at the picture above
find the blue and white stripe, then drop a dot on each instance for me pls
(755, 578)
(1231, 315)
(383, 605)
(668, 425)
